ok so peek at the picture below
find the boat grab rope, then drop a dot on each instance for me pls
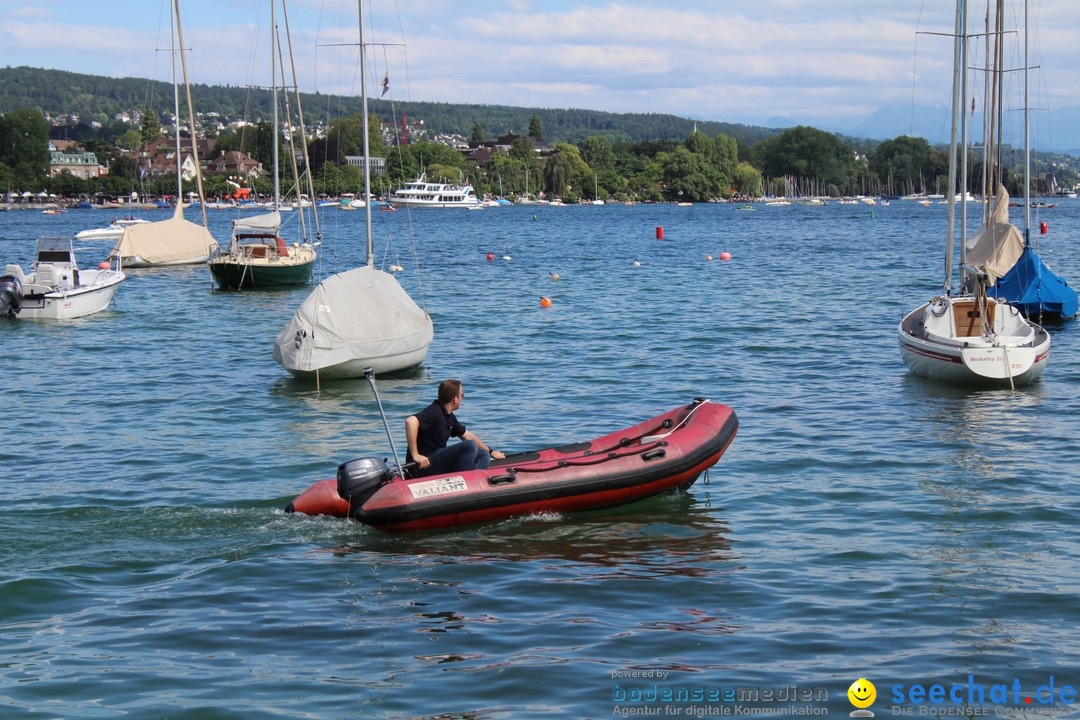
(595, 459)
(650, 435)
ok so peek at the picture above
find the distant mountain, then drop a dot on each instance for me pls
(1057, 132)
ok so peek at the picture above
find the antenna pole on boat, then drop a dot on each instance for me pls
(369, 373)
(367, 149)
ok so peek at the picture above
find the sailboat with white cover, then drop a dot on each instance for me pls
(175, 241)
(358, 319)
(971, 338)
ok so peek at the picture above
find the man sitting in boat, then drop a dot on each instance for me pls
(429, 430)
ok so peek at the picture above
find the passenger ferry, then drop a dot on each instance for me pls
(421, 193)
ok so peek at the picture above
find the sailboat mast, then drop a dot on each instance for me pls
(957, 109)
(191, 114)
(963, 139)
(1027, 136)
(367, 158)
(274, 100)
(176, 109)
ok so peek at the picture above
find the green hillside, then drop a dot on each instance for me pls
(58, 92)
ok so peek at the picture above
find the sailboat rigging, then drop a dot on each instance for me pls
(1030, 285)
(175, 241)
(361, 318)
(971, 337)
(257, 256)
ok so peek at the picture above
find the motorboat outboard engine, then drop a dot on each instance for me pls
(10, 296)
(358, 479)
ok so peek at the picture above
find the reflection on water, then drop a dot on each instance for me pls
(671, 535)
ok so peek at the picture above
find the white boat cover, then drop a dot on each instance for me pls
(265, 223)
(356, 315)
(996, 246)
(165, 242)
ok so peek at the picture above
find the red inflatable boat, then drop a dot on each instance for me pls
(669, 451)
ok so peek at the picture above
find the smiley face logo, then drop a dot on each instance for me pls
(862, 693)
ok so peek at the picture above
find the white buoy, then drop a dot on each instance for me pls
(554, 276)
(637, 264)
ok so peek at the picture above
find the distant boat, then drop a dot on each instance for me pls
(56, 288)
(113, 232)
(175, 241)
(421, 193)
(257, 256)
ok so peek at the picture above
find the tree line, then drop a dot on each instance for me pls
(704, 162)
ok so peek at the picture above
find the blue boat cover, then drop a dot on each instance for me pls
(1033, 288)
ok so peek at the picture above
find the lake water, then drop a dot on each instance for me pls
(863, 524)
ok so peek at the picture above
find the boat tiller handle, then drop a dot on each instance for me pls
(369, 373)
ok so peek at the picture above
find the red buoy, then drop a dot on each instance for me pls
(659, 232)
(1042, 228)
(490, 256)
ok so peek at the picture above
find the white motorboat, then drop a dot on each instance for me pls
(56, 288)
(421, 193)
(112, 233)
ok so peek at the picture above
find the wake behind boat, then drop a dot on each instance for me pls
(56, 288)
(667, 452)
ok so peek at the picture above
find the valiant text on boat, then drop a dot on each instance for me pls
(667, 452)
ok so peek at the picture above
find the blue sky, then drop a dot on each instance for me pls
(809, 62)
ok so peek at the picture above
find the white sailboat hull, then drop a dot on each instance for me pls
(382, 365)
(932, 347)
(135, 261)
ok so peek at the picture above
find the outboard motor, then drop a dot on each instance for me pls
(10, 296)
(358, 479)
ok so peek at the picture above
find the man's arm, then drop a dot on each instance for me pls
(412, 432)
(470, 435)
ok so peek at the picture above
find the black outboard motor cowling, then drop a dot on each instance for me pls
(10, 296)
(358, 479)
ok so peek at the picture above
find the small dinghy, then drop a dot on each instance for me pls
(667, 452)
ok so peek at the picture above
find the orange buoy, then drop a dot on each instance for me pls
(725, 255)
(1042, 228)
(659, 232)
(545, 302)
(103, 265)
(490, 256)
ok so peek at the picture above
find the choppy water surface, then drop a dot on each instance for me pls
(864, 523)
